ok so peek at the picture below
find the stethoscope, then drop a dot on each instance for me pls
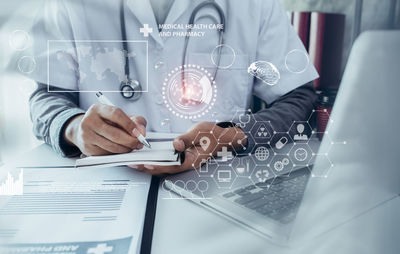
(131, 89)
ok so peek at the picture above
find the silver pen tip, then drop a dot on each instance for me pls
(147, 144)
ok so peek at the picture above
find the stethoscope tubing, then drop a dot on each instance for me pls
(192, 18)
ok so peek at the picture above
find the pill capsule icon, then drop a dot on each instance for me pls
(281, 143)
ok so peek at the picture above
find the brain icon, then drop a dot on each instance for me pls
(265, 71)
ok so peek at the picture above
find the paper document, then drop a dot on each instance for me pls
(161, 153)
(69, 210)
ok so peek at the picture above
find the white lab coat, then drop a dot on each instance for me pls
(258, 30)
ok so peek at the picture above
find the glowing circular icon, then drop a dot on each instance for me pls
(19, 40)
(27, 87)
(261, 153)
(191, 185)
(202, 186)
(265, 71)
(297, 61)
(26, 64)
(189, 91)
(223, 50)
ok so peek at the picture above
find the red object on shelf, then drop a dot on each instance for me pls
(326, 99)
(322, 120)
(301, 24)
(326, 48)
(316, 43)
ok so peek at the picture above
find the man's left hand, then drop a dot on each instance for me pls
(196, 153)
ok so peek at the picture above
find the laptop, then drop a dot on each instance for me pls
(354, 170)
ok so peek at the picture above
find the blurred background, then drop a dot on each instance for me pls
(17, 17)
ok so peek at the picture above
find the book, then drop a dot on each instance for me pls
(161, 153)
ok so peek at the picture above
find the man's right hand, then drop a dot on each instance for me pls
(105, 130)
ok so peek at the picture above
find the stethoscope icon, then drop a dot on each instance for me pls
(244, 119)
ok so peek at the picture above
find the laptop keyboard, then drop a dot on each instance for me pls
(278, 199)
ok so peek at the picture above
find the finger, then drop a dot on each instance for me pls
(141, 124)
(109, 145)
(190, 158)
(179, 145)
(117, 116)
(116, 135)
(222, 136)
(192, 137)
(93, 150)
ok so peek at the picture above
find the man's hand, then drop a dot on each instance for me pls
(197, 153)
(105, 130)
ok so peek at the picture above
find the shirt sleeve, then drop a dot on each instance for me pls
(296, 105)
(54, 48)
(280, 45)
(49, 113)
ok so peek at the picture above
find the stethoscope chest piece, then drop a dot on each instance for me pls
(131, 90)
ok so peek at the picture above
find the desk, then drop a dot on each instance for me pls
(184, 227)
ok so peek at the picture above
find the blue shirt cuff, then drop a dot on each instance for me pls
(57, 127)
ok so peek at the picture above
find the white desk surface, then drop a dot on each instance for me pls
(184, 227)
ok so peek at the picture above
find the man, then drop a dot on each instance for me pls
(75, 123)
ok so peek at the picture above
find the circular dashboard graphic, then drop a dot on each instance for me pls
(189, 91)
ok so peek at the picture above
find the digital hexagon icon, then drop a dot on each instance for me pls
(241, 145)
(261, 174)
(207, 167)
(262, 131)
(281, 143)
(224, 176)
(300, 131)
(207, 143)
(301, 154)
(281, 164)
(263, 177)
(243, 166)
(262, 154)
(224, 155)
(317, 149)
(323, 165)
(244, 119)
(321, 119)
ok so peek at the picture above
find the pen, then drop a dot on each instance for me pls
(104, 100)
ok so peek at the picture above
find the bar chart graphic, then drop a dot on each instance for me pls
(12, 187)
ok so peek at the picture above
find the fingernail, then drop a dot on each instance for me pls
(142, 128)
(149, 167)
(140, 146)
(133, 166)
(135, 132)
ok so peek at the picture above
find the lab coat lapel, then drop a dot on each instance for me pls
(177, 9)
(142, 10)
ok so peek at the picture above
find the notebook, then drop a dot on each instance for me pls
(161, 153)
